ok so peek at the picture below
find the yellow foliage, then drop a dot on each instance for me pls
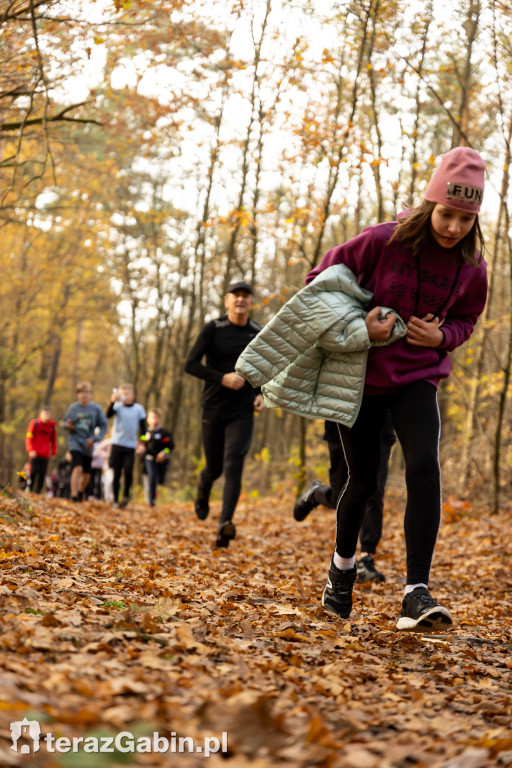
(263, 456)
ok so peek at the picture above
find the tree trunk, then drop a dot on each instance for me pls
(500, 236)
(53, 369)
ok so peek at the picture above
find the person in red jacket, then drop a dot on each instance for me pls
(41, 444)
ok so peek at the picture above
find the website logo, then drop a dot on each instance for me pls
(30, 731)
(26, 729)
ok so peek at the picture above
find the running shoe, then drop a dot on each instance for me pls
(305, 503)
(337, 596)
(421, 613)
(226, 532)
(366, 570)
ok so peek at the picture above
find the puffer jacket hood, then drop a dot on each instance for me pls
(310, 359)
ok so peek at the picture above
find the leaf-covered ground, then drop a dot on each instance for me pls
(130, 621)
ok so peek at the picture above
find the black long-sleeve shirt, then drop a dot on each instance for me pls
(222, 342)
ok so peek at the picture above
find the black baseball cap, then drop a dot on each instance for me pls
(240, 286)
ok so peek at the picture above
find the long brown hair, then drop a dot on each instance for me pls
(414, 230)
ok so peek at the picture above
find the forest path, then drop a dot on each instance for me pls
(129, 620)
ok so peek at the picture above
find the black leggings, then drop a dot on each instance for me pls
(226, 441)
(121, 459)
(328, 495)
(416, 421)
(38, 467)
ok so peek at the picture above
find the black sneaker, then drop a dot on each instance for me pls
(366, 570)
(305, 503)
(337, 596)
(125, 502)
(201, 504)
(226, 532)
(421, 613)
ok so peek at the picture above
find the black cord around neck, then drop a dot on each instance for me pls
(418, 286)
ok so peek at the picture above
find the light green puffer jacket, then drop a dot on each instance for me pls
(310, 359)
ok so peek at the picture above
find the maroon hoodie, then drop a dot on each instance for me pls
(435, 282)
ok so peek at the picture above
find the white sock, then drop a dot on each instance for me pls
(410, 587)
(343, 563)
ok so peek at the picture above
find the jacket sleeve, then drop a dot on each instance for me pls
(465, 311)
(29, 437)
(193, 364)
(350, 334)
(295, 328)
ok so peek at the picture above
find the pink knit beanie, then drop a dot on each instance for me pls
(459, 180)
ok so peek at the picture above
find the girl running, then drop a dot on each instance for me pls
(428, 267)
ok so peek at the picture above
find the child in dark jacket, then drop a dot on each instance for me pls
(156, 446)
(41, 445)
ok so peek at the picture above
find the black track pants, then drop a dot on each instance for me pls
(226, 441)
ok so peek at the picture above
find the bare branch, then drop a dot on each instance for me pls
(16, 9)
(60, 116)
(438, 98)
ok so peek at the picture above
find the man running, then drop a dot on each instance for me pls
(228, 404)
